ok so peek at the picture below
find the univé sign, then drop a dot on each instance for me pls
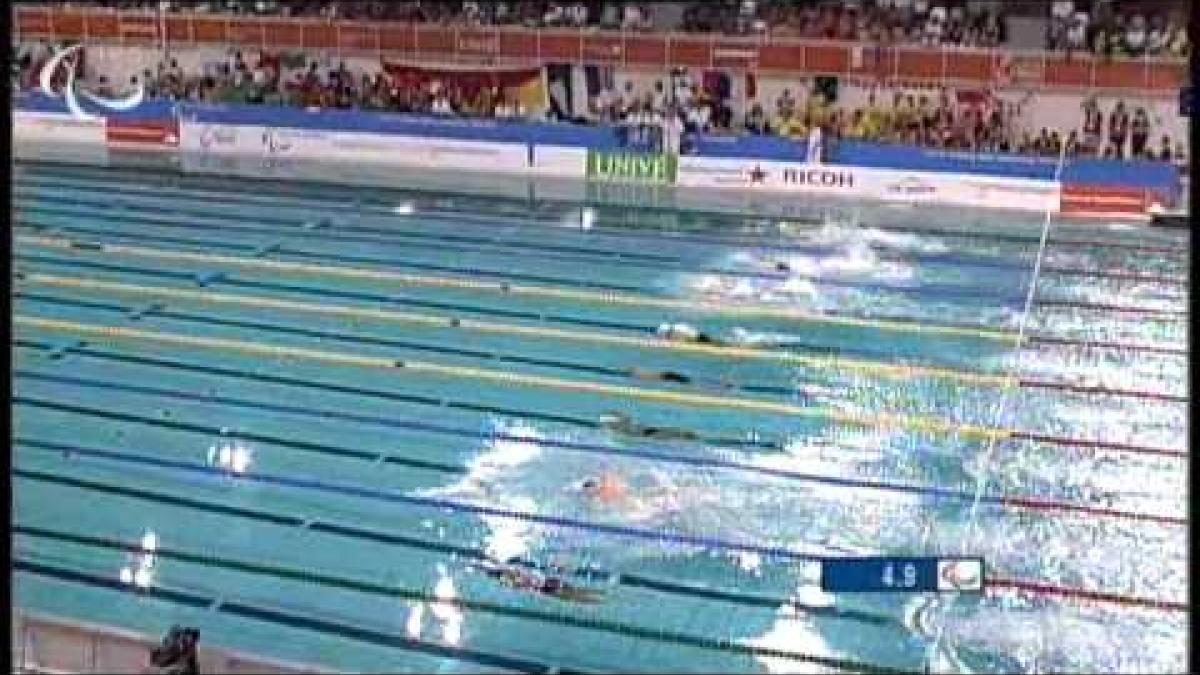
(632, 167)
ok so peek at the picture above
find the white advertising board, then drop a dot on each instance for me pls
(56, 127)
(413, 151)
(58, 137)
(351, 148)
(558, 161)
(879, 184)
(201, 139)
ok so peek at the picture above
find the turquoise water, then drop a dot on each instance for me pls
(121, 436)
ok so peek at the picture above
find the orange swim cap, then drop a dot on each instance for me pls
(610, 489)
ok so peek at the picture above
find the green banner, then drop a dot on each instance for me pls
(630, 167)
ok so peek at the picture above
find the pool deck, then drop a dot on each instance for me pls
(43, 643)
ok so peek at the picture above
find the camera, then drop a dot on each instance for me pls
(177, 653)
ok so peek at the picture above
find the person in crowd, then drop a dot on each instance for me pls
(1164, 149)
(1118, 128)
(756, 120)
(1072, 149)
(1139, 133)
(1135, 36)
(1093, 127)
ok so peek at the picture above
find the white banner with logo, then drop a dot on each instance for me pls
(200, 139)
(878, 184)
(558, 161)
(37, 127)
(353, 147)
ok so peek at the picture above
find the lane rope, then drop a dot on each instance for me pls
(433, 321)
(492, 247)
(454, 404)
(74, 264)
(391, 538)
(866, 420)
(614, 298)
(447, 243)
(1028, 503)
(588, 621)
(893, 371)
(775, 552)
(380, 209)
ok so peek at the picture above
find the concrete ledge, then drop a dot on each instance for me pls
(47, 644)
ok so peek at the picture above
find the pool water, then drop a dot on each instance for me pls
(266, 377)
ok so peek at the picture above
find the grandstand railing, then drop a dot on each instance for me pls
(962, 67)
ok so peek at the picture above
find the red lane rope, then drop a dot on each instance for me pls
(1084, 389)
(1049, 505)
(1089, 243)
(1096, 344)
(1043, 588)
(1121, 309)
(1109, 274)
(1099, 445)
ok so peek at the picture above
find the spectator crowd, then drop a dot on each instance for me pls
(1104, 28)
(962, 120)
(881, 21)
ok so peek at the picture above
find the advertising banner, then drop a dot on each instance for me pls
(659, 169)
(56, 128)
(707, 172)
(876, 184)
(150, 135)
(558, 161)
(201, 138)
(350, 148)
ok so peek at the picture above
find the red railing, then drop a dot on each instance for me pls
(503, 45)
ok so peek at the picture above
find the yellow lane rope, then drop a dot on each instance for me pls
(874, 419)
(607, 297)
(896, 371)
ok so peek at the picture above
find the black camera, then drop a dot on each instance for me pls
(177, 653)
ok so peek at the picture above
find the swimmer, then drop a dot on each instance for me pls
(681, 332)
(611, 492)
(621, 423)
(782, 267)
(524, 580)
(608, 488)
(660, 375)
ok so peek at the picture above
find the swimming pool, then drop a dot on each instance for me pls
(329, 404)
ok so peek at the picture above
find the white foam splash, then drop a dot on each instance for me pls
(412, 627)
(448, 612)
(793, 632)
(834, 233)
(506, 537)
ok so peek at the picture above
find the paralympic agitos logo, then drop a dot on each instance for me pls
(71, 91)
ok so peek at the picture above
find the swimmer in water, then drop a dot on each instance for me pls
(681, 332)
(608, 489)
(526, 580)
(622, 424)
(660, 375)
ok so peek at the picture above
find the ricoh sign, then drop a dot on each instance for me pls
(818, 177)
